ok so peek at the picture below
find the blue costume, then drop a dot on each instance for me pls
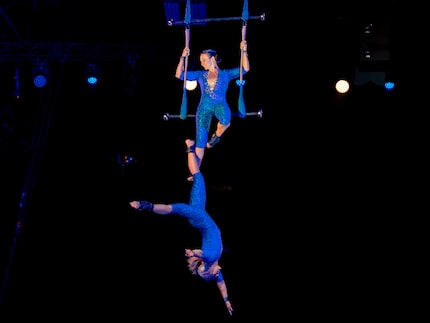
(213, 100)
(198, 217)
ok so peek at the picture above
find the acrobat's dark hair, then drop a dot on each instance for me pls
(212, 53)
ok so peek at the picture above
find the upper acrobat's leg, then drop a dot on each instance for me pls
(223, 115)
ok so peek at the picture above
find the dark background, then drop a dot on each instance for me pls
(297, 193)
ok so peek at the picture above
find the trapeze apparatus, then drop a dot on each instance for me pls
(241, 82)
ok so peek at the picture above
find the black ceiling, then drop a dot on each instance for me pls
(309, 160)
(27, 26)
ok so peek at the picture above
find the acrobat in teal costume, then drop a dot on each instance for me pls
(197, 216)
(212, 102)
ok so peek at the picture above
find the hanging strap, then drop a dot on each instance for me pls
(187, 20)
(241, 103)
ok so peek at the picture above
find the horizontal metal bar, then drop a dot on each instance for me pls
(167, 116)
(261, 17)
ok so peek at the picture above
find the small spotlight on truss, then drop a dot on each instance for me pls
(40, 73)
(93, 74)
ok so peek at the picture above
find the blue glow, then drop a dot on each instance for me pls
(92, 80)
(40, 80)
(389, 85)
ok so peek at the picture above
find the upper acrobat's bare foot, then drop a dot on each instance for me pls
(213, 140)
(142, 205)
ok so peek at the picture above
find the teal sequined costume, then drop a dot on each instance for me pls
(198, 217)
(212, 101)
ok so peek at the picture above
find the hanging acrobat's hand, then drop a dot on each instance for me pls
(228, 305)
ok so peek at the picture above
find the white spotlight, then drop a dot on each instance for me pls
(190, 85)
(342, 86)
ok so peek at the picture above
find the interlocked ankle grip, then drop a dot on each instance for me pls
(191, 149)
(214, 140)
